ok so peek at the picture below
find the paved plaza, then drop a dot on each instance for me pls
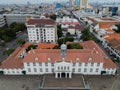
(19, 82)
(31, 82)
(104, 82)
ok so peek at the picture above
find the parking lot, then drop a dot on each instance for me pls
(30, 82)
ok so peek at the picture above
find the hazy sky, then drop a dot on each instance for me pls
(39, 1)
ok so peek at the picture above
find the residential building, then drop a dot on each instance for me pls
(84, 4)
(90, 60)
(79, 4)
(2, 21)
(102, 28)
(71, 3)
(67, 22)
(42, 30)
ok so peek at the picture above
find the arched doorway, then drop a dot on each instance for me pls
(63, 74)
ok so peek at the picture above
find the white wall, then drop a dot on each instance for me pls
(42, 34)
(38, 67)
(12, 71)
(77, 68)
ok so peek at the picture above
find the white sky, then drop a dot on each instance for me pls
(39, 1)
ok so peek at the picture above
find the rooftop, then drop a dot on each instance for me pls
(41, 21)
(91, 51)
(105, 22)
(46, 45)
(104, 19)
(13, 61)
(112, 36)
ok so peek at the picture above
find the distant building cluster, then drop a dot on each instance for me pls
(104, 29)
(78, 4)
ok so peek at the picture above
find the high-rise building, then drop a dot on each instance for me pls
(58, 6)
(83, 4)
(79, 4)
(71, 3)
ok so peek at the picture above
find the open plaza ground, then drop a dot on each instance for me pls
(32, 82)
(75, 81)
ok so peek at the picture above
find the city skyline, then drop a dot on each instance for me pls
(49, 1)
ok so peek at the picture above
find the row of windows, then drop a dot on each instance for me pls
(85, 70)
(79, 70)
(39, 70)
(33, 37)
(42, 30)
(40, 64)
(46, 64)
(12, 72)
(63, 68)
(86, 64)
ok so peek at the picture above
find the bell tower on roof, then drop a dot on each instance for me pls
(63, 50)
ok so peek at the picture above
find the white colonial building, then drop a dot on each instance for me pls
(63, 63)
(42, 30)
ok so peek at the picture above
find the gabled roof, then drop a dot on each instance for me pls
(13, 61)
(112, 36)
(90, 53)
(55, 55)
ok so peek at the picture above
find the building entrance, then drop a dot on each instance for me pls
(63, 75)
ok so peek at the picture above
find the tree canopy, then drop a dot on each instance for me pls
(118, 30)
(8, 51)
(31, 47)
(9, 33)
(53, 17)
(64, 40)
(86, 35)
(74, 46)
(59, 31)
(20, 41)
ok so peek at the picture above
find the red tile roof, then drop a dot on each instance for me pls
(110, 30)
(109, 64)
(105, 25)
(26, 45)
(41, 21)
(46, 45)
(112, 36)
(13, 61)
(91, 50)
(92, 46)
(106, 18)
(54, 55)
